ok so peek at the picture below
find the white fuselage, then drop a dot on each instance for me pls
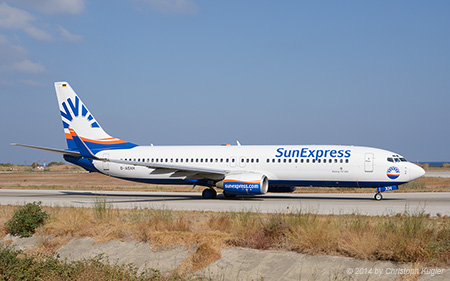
(284, 165)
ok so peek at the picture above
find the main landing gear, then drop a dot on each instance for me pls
(209, 193)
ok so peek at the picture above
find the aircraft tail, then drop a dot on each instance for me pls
(76, 116)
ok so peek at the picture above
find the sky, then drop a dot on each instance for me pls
(202, 72)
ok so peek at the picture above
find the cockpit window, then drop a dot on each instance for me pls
(396, 159)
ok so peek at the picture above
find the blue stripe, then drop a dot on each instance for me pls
(96, 147)
(273, 185)
(353, 184)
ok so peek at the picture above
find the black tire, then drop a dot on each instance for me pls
(378, 196)
(229, 196)
(209, 193)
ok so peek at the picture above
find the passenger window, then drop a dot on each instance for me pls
(335, 160)
(307, 160)
(279, 160)
(318, 161)
(273, 160)
(268, 160)
(206, 160)
(296, 160)
(290, 160)
(257, 160)
(346, 160)
(314, 160)
(232, 160)
(342, 161)
(301, 160)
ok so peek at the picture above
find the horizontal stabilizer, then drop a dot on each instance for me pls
(54, 150)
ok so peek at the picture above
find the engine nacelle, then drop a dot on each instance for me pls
(244, 184)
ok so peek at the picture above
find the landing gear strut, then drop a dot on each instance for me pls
(209, 193)
(378, 196)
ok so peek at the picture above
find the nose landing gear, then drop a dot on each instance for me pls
(378, 195)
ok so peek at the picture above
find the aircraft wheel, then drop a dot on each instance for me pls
(229, 196)
(209, 193)
(378, 196)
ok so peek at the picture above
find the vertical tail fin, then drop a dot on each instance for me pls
(75, 115)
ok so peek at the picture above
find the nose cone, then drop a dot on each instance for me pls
(416, 172)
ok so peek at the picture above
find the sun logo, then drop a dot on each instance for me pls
(76, 107)
(393, 172)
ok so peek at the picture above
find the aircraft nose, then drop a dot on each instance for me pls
(416, 172)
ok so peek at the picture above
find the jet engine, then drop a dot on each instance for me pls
(244, 184)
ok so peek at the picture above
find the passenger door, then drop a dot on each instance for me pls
(368, 162)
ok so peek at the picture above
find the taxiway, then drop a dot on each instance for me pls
(437, 203)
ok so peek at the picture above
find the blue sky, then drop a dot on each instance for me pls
(372, 73)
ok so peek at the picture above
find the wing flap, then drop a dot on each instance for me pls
(167, 167)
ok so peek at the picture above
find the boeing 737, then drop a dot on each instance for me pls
(234, 169)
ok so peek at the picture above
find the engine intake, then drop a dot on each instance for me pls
(244, 184)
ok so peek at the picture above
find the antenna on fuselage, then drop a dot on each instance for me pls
(238, 143)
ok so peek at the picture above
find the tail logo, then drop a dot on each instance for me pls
(393, 172)
(75, 107)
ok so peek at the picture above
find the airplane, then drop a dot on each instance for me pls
(234, 169)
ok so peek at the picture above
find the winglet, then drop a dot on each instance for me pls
(82, 147)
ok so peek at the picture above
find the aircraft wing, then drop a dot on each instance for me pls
(175, 168)
(54, 150)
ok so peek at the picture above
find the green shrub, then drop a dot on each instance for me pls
(27, 219)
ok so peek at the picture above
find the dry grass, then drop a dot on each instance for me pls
(204, 255)
(410, 237)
